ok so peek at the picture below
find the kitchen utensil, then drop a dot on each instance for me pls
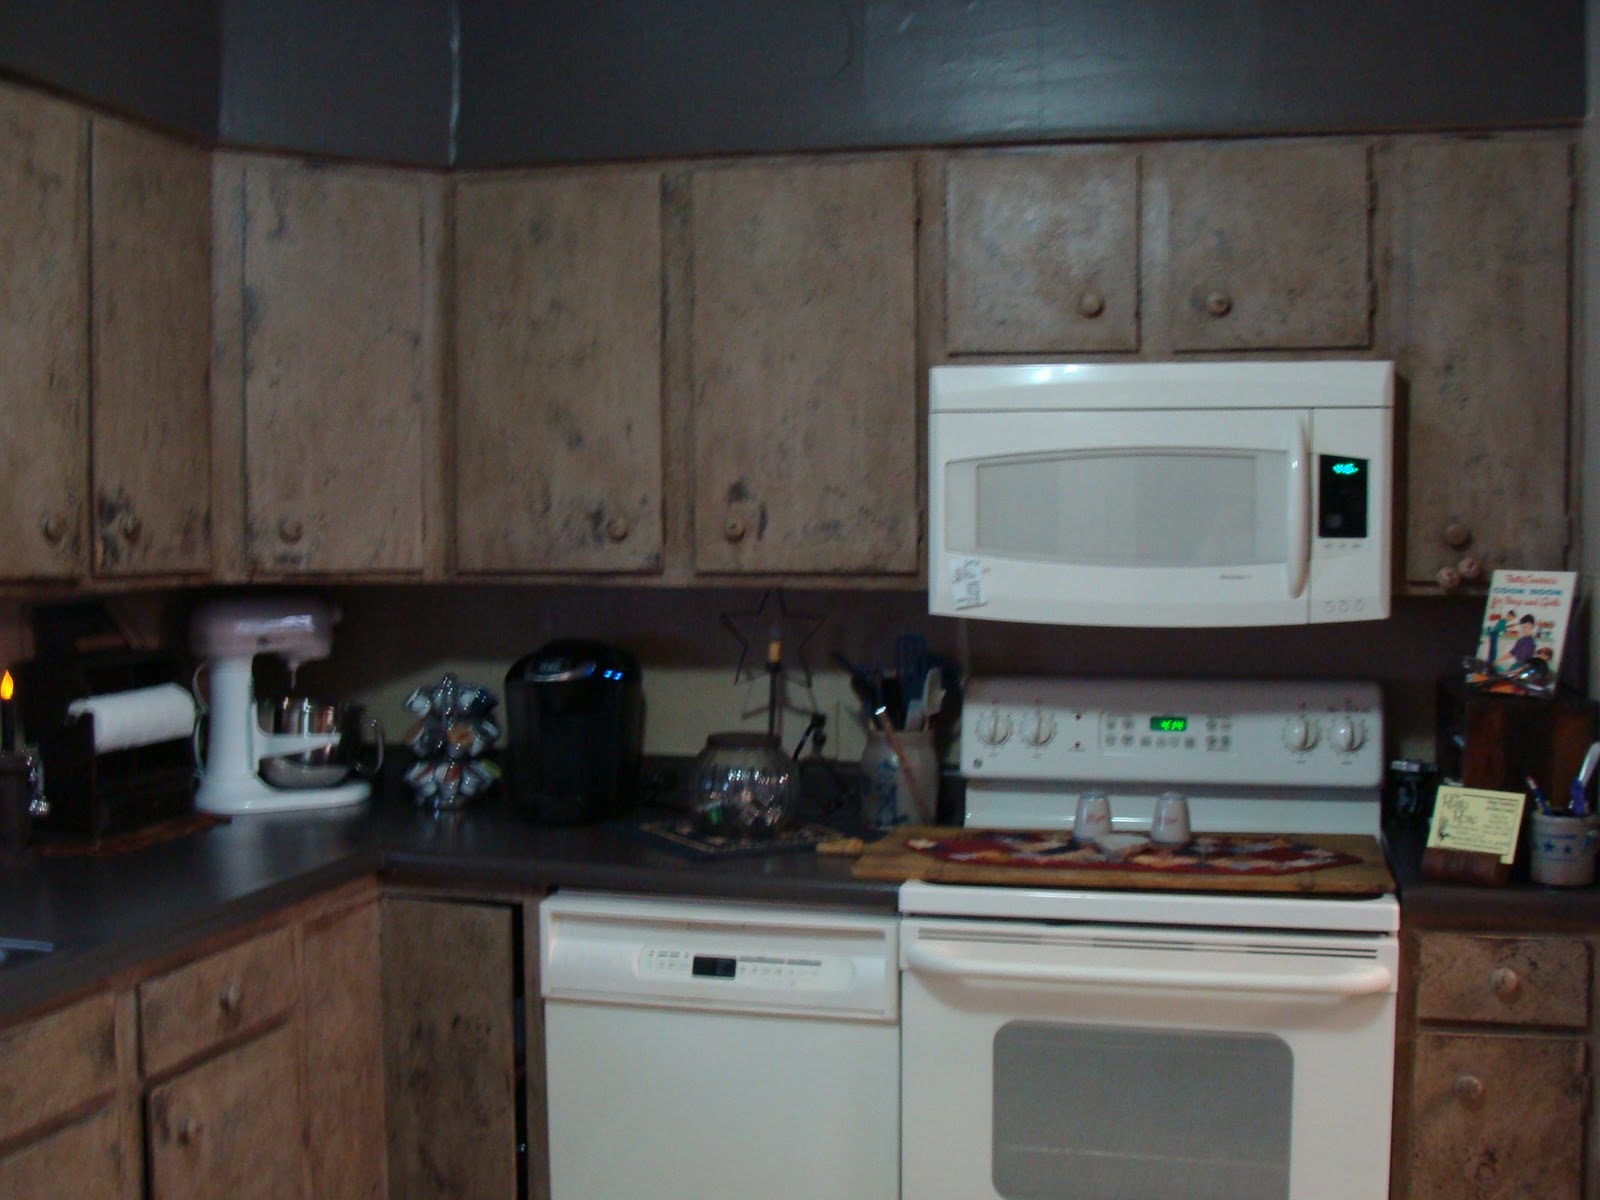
(228, 635)
(744, 785)
(911, 665)
(324, 765)
(1093, 819)
(574, 727)
(899, 777)
(1170, 826)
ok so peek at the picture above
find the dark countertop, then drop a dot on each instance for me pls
(1518, 907)
(109, 914)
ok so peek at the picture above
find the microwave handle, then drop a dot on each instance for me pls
(1366, 980)
(1298, 561)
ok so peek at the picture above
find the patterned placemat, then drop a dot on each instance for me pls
(679, 836)
(1210, 854)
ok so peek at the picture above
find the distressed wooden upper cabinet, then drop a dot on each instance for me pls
(803, 340)
(1268, 245)
(151, 239)
(1478, 253)
(328, 366)
(558, 341)
(1042, 251)
(44, 343)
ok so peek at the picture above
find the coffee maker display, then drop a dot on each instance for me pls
(574, 724)
(306, 749)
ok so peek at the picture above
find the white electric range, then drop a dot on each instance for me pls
(1110, 1042)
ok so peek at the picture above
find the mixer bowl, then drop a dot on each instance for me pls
(323, 766)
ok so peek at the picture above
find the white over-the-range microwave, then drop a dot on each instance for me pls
(1161, 494)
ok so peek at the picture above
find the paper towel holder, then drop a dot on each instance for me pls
(102, 794)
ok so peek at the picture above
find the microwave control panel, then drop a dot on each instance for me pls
(1267, 733)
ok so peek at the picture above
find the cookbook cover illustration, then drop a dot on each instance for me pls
(1525, 618)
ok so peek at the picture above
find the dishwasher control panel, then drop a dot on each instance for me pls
(718, 956)
(744, 970)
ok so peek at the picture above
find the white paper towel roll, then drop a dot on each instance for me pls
(141, 717)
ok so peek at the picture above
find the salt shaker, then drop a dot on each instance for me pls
(1093, 819)
(1170, 826)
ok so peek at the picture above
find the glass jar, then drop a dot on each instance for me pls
(744, 785)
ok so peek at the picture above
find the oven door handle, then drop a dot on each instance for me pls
(1365, 980)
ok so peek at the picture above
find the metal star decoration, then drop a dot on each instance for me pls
(760, 627)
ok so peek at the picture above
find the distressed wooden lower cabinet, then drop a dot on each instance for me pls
(68, 1113)
(1492, 1099)
(450, 1048)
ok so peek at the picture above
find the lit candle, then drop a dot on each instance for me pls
(8, 715)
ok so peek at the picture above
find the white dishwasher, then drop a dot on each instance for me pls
(702, 1049)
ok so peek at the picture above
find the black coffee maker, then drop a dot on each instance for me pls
(574, 723)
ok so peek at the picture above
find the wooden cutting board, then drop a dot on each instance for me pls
(894, 858)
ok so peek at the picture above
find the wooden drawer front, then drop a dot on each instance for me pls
(1497, 1116)
(55, 1063)
(1511, 981)
(81, 1162)
(231, 1127)
(184, 1012)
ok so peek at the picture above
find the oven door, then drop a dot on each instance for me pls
(1092, 1062)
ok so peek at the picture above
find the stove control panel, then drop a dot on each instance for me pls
(1254, 732)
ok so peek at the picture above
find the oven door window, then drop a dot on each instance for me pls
(1103, 1113)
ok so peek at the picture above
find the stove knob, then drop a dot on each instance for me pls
(1300, 733)
(1040, 731)
(1348, 734)
(994, 727)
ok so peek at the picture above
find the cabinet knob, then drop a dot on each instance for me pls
(132, 529)
(1468, 1089)
(1470, 569)
(290, 530)
(1449, 578)
(1505, 983)
(53, 527)
(733, 529)
(617, 529)
(1219, 303)
(187, 1133)
(229, 998)
(1091, 303)
(1457, 535)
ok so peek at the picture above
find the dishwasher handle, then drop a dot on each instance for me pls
(1367, 979)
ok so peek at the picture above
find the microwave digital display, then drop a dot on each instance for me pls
(1169, 724)
(1342, 496)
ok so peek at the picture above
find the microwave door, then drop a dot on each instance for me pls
(1131, 518)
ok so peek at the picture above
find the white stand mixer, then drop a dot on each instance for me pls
(228, 634)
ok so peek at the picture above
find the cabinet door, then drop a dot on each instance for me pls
(231, 1127)
(44, 326)
(152, 350)
(450, 1049)
(1042, 251)
(1478, 258)
(341, 386)
(82, 1161)
(1497, 1118)
(1270, 246)
(558, 361)
(805, 369)
(343, 1017)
